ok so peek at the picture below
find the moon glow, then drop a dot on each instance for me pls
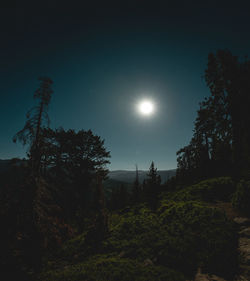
(146, 107)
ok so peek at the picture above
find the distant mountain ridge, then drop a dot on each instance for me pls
(122, 176)
(129, 176)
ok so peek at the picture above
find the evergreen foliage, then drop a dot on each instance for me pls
(112, 268)
(61, 185)
(220, 143)
(199, 236)
(37, 119)
(136, 191)
(241, 198)
(151, 186)
(180, 237)
(210, 190)
(76, 163)
(120, 198)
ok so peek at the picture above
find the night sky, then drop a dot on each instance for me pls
(104, 58)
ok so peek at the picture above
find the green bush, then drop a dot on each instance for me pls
(75, 246)
(133, 234)
(241, 197)
(180, 237)
(111, 268)
(197, 236)
(210, 190)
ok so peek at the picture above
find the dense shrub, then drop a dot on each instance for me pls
(181, 236)
(196, 235)
(111, 268)
(208, 190)
(241, 197)
(133, 233)
(74, 247)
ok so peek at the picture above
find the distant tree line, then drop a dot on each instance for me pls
(147, 192)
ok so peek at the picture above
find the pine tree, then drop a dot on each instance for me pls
(37, 118)
(136, 188)
(229, 81)
(152, 186)
(220, 143)
(75, 159)
(41, 207)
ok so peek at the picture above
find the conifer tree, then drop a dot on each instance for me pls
(229, 81)
(75, 159)
(152, 186)
(136, 187)
(220, 143)
(37, 118)
(41, 208)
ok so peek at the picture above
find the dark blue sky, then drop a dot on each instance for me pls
(104, 58)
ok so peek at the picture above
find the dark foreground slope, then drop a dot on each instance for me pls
(185, 233)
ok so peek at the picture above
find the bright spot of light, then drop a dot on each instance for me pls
(146, 107)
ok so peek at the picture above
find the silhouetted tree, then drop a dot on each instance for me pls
(101, 223)
(74, 160)
(220, 143)
(37, 118)
(136, 190)
(229, 81)
(152, 186)
(41, 225)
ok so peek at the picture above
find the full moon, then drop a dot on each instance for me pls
(146, 107)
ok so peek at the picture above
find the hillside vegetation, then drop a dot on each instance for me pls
(168, 244)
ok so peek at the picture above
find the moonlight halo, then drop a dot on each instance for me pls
(146, 107)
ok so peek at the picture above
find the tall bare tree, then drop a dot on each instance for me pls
(37, 118)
